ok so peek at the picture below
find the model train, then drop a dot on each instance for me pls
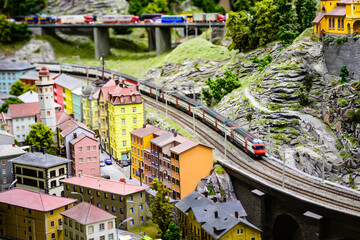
(252, 145)
(108, 19)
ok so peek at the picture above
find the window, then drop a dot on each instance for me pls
(110, 225)
(94, 148)
(88, 159)
(111, 236)
(122, 110)
(94, 159)
(52, 173)
(133, 98)
(81, 190)
(51, 212)
(76, 225)
(112, 196)
(141, 218)
(89, 192)
(4, 171)
(47, 113)
(141, 207)
(123, 121)
(106, 195)
(140, 195)
(124, 143)
(74, 188)
(98, 205)
(131, 210)
(121, 199)
(122, 99)
(239, 231)
(102, 237)
(4, 180)
(81, 160)
(134, 120)
(53, 183)
(123, 132)
(80, 149)
(88, 148)
(91, 229)
(132, 222)
(101, 227)
(113, 209)
(53, 236)
(98, 193)
(61, 171)
(52, 224)
(134, 109)
(3, 162)
(121, 210)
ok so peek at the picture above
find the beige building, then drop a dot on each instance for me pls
(87, 222)
(40, 172)
(110, 196)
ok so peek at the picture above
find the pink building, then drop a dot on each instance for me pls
(85, 155)
(58, 95)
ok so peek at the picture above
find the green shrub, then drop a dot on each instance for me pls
(262, 62)
(343, 102)
(11, 32)
(219, 170)
(354, 116)
(344, 72)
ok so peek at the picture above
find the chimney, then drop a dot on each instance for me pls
(117, 81)
(236, 214)
(13, 145)
(205, 194)
(75, 135)
(216, 214)
(44, 150)
(175, 134)
(214, 199)
(144, 125)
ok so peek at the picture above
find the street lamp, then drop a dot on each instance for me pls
(124, 221)
(12, 184)
(138, 214)
(78, 194)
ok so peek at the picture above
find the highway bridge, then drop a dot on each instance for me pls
(159, 34)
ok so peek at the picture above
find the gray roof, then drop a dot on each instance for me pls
(34, 75)
(162, 138)
(69, 82)
(6, 138)
(15, 66)
(9, 150)
(5, 96)
(193, 199)
(38, 159)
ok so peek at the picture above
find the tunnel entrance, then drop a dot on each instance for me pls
(286, 228)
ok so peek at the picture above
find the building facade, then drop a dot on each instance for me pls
(85, 156)
(30, 77)
(7, 152)
(40, 172)
(77, 100)
(110, 196)
(10, 72)
(201, 218)
(337, 18)
(140, 141)
(89, 108)
(125, 109)
(86, 221)
(31, 215)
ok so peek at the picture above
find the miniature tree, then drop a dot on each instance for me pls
(160, 208)
(5, 106)
(172, 233)
(41, 136)
(344, 72)
(17, 88)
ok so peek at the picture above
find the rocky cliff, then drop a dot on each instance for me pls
(297, 105)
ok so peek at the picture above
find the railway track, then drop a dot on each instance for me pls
(269, 172)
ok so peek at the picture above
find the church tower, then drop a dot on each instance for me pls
(46, 99)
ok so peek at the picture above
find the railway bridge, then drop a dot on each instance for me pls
(159, 34)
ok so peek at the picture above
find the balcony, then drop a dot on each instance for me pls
(60, 227)
(166, 156)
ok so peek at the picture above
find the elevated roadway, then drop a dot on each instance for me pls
(159, 34)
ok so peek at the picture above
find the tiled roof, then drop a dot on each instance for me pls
(193, 199)
(165, 137)
(23, 109)
(15, 66)
(69, 82)
(338, 11)
(38, 159)
(143, 132)
(81, 137)
(105, 91)
(61, 117)
(9, 150)
(34, 75)
(86, 213)
(318, 17)
(71, 125)
(184, 146)
(127, 92)
(34, 200)
(104, 185)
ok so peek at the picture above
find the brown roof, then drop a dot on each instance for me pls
(127, 92)
(61, 117)
(104, 185)
(23, 109)
(143, 132)
(81, 137)
(183, 147)
(33, 200)
(71, 125)
(319, 17)
(338, 11)
(86, 213)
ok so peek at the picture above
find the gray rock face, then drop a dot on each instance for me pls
(219, 184)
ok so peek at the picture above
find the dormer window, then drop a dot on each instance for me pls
(133, 98)
(122, 99)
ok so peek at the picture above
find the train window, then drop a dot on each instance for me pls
(258, 147)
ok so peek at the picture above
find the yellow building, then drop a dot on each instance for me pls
(140, 140)
(89, 108)
(337, 18)
(68, 104)
(126, 113)
(200, 218)
(31, 215)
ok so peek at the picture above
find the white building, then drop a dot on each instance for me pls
(22, 117)
(85, 221)
(46, 99)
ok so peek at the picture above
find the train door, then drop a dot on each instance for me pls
(204, 114)
(177, 103)
(231, 135)
(189, 109)
(246, 142)
(163, 97)
(150, 91)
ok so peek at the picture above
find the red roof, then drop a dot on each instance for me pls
(338, 11)
(23, 109)
(104, 185)
(86, 213)
(127, 92)
(143, 132)
(34, 200)
(61, 117)
(81, 137)
(71, 125)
